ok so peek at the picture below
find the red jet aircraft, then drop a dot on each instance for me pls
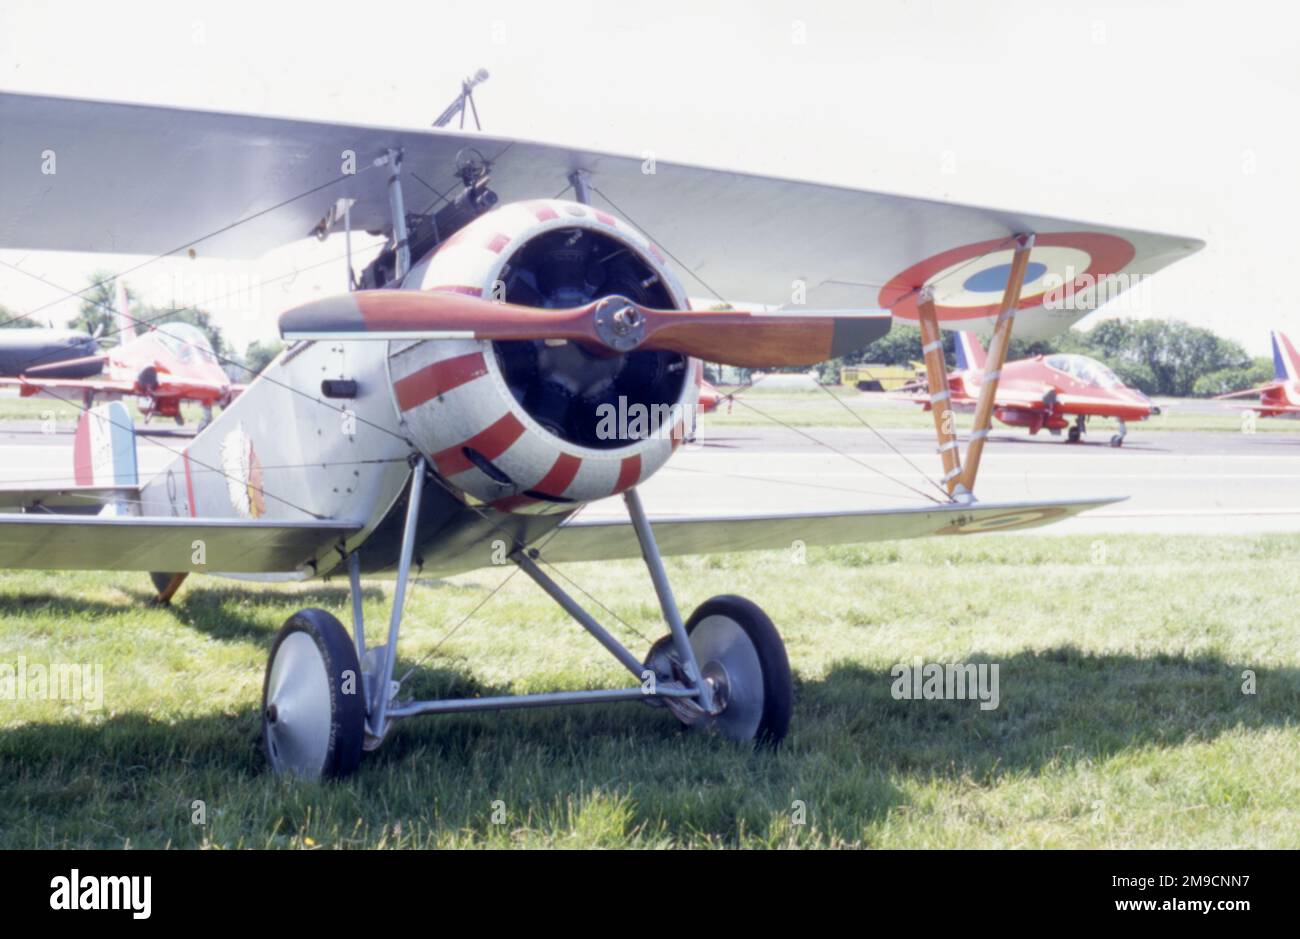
(1046, 391)
(1280, 397)
(168, 364)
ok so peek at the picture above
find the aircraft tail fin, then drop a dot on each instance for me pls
(103, 452)
(1286, 361)
(970, 354)
(122, 314)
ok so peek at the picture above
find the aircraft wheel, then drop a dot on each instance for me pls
(1073, 436)
(313, 716)
(740, 652)
(1117, 441)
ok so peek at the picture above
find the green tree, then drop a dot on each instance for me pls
(1228, 380)
(11, 320)
(259, 355)
(98, 301)
(1163, 356)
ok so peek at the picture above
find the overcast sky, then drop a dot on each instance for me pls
(1177, 117)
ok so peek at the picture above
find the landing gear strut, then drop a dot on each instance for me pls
(327, 698)
(1118, 439)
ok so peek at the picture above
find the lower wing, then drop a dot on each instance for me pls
(135, 543)
(607, 539)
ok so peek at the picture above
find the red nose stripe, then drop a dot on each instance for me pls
(556, 480)
(560, 475)
(542, 211)
(439, 378)
(628, 474)
(491, 442)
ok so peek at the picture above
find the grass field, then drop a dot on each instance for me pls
(1122, 720)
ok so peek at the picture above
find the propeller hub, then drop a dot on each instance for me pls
(619, 324)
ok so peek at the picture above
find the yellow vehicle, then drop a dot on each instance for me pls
(869, 377)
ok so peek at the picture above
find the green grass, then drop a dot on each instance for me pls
(812, 407)
(1121, 723)
(66, 409)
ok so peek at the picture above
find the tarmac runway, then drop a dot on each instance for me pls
(1176, 482)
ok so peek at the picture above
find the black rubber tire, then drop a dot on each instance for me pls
(1073, 436)
(778, 683)
(347, 711)
(1117, 441)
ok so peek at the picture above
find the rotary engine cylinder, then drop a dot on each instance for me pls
(536, 426)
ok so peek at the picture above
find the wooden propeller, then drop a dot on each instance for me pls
(744, 338)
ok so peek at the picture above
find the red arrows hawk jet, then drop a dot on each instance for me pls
(1046, 391)
(163, 366)
(1280, 397)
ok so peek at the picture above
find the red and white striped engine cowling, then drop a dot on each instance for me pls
(452, 394)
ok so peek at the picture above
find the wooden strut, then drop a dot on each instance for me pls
(165, 597)
(936, 375)
(997, 356)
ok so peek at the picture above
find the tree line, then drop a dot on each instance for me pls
(1158, 357)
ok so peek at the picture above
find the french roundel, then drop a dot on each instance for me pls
(968, 282)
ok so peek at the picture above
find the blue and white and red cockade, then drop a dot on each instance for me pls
(968, 282)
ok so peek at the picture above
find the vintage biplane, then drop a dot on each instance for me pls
(442, 415)
(163, 365)
(1044, 391)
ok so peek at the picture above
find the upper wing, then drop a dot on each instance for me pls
(599, 540)
(749, 237)
(99, 543)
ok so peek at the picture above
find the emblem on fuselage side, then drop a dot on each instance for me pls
(243, 470)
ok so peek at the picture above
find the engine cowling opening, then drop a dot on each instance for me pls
(566, 387)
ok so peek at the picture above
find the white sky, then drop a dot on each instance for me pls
(1177, 117)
